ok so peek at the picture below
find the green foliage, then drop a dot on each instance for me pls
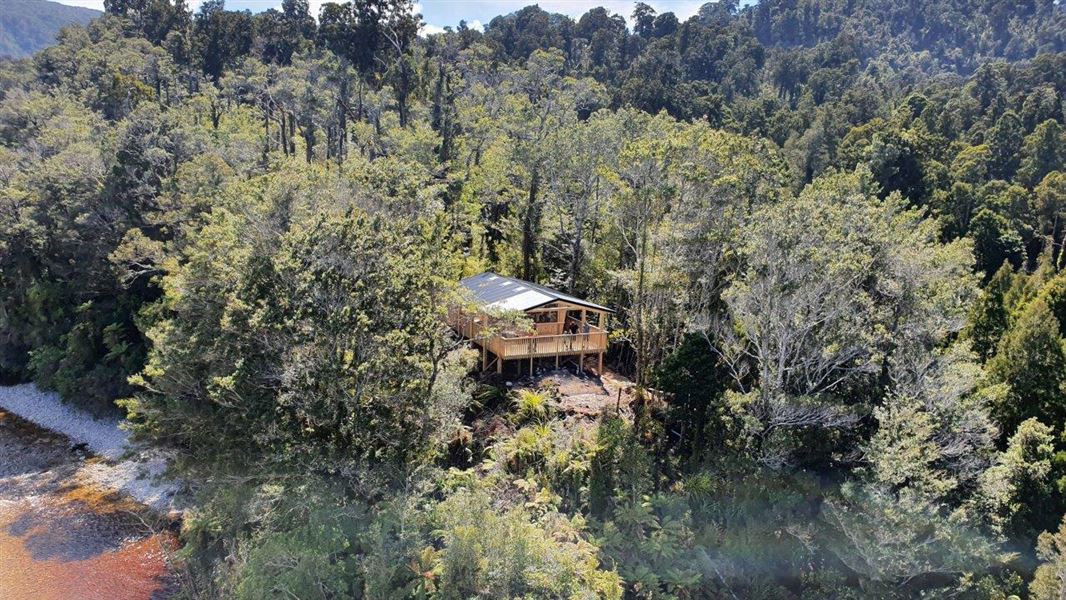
(338, 313)
(1031, 360)
(313, 555)
(1053, 293)
(697, 410)
(894, 539)
(825, 305)
(532, 406)
(303, 537)
(485, 553)
(996, 242)
(1018, 486)
(69, 321)
(652, 542)
(1044, 152)
(261, 217)
(989, 319)
(1048, 581)
(620, 470)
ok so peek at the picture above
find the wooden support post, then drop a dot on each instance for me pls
(556, 362)
(600, 371)
(484, 358)
(499, 364)
(581, 362)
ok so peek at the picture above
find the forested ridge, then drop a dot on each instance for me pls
(27, 26)
(832, 232)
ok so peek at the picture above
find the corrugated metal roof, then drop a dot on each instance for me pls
(499, 291)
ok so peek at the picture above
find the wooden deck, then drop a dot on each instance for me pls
(546, 340)
(534, 346)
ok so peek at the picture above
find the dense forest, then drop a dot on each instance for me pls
(832, 231)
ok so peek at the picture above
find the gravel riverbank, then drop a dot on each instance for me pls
(128, 468)
(65, 536)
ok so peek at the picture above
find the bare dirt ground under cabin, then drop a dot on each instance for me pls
(585, 395)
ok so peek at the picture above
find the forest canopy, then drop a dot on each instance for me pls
(832, 232)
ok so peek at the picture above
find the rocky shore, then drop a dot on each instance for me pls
(126, 468)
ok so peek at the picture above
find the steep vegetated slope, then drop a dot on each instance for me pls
(27, 26)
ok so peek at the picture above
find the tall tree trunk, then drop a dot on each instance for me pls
(576, 255)
(266, 132)
(403, 90)
(292, 134)
(283, 127)
(359, 111)
(308, 131)
(438, 101)
(342, 120)
(641, 336)
(529, 226)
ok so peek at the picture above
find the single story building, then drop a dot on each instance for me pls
(563, 325)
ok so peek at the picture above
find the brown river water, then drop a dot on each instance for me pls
(64, 539)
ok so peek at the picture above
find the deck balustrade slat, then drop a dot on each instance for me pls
(548, 339)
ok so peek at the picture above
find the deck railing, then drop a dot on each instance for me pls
(547, 340)
(549, 345)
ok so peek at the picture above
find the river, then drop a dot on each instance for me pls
(62, 538)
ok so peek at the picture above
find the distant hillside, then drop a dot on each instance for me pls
(26, 26)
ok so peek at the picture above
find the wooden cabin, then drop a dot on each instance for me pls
(563, 325)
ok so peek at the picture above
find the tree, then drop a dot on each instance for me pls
(665, 24)
(220, 37)
(280, 34)
(399, 29)
(357, 347)
(1049, 205)
(1043, 152)
(897, 164)
(1031, 360)
(995, 241)
(1054, 294)
(306, 92)
(542, 102)
(508, 554)
(1017, 489)
(990, 318)
(68, 316)
(901, 542)
(577, 194)
(973, 165)
(904, 521)
(648, 273)
(643, 20)
(1049, 581)
(934, 432)
(1005, 140)
(153, 19)
(808, 329)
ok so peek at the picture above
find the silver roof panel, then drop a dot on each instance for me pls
(500, 291)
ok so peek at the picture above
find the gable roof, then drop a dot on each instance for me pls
(499, 291)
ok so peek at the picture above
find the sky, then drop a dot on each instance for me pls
(438, 14)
